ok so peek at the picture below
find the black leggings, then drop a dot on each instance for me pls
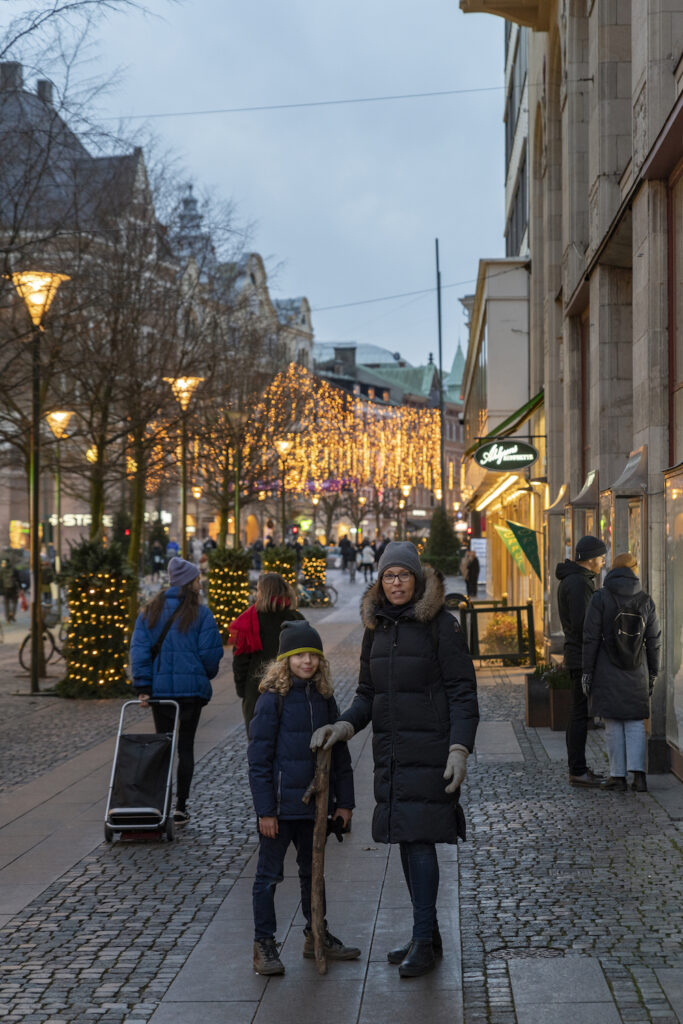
(164, 717)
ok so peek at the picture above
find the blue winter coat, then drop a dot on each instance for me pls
(187, 661)
(281, 762)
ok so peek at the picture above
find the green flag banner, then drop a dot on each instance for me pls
(511, 543)
(528, 542)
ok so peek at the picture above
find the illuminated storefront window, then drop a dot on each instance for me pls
(674, 606)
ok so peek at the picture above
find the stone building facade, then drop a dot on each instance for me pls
(605, 158)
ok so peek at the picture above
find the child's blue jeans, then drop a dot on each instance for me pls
(269, 872)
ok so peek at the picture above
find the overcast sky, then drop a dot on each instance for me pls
(349, 199)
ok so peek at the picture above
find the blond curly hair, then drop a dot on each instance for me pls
(277, 678)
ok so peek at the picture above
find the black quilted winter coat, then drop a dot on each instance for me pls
(418, 687)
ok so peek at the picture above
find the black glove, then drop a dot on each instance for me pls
(651, 686)
(335, 826)
(586, 683)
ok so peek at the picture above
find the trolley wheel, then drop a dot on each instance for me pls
(170, 833)
(108, 834)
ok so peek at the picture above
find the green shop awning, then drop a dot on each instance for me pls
(510, 424)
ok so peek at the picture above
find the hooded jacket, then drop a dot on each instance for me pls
(417, 686)
(186, 662)
(618, 692)
(281, 762)
(577, 586)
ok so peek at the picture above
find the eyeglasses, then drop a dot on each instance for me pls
(392, 577)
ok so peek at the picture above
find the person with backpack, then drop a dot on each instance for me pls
(418, 687)
(621, 652)
(174, 654)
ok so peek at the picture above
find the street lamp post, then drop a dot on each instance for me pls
(283, 448)
(196, 494)
(314, 501)
(405, 491)
(37, 289)
(58, 422)
(183, 389)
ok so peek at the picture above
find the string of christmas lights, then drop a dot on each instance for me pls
(97, 646)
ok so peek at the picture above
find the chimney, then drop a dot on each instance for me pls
(11, 78)
(345, 358)
(44, 91)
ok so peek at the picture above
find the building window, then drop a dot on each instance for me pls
(516, 87)
(676, 319)
(519, 212)
(371, 393)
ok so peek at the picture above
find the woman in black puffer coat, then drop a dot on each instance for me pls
(417, 686)
(621, 695)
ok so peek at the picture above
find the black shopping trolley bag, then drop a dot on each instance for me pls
(140, 788)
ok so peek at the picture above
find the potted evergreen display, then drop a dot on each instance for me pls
(228, 586)
(537, 698)
(282, 560)
(443, 547)
(559, 685)
(100, 587)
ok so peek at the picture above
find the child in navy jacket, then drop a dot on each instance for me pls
(296, 698)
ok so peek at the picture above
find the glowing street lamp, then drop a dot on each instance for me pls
(37, 289)
(183, 389)
(196, 494)
(58, 421)
(283, 446)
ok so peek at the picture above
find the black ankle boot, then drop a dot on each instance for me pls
(419, 960)
(639, 784)
(616, 782)
(397, 956)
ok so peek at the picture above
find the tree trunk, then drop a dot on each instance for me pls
(96, 500)
(138, 510)
(225, 505)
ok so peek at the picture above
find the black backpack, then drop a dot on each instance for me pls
(627, 640)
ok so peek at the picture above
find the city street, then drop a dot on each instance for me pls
(563, 906)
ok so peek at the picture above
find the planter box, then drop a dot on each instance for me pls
(560, 709)
(537, 702)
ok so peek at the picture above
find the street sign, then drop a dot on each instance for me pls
(505, 456)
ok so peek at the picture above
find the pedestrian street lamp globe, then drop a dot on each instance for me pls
(58, 422)
(183, 389)
(283, 447)
(37, 289)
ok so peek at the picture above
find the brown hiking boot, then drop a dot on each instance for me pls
(266, 959)
(334, 948)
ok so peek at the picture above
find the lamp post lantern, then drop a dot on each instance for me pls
(37, 289)
(283, 448)
(405, 491)
(196, 494)
(58, 421)
(183, 389)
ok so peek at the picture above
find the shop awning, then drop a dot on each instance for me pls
(633, 481)
(589, 495)
(511, 424)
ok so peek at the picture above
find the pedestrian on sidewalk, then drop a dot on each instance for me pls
(9, 579)
(577, 586)
(256, 636)
(367, 559)
(621, 651)
(296, 698)
(417, 685)
(189, 651)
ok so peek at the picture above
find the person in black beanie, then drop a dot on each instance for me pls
(418, 688)
(577, 586)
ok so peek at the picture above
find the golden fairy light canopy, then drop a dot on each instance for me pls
(37, 289)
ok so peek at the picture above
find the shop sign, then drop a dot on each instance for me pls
(502, 457)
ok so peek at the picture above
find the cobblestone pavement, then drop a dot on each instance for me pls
(550, 870)
(105, 942)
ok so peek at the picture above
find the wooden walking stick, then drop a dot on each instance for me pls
(320, 786)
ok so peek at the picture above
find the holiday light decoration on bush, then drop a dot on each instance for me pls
(281, 560)
(228, 586)
(314, 566)
(99, 589)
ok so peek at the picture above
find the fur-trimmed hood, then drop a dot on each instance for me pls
(425, 608)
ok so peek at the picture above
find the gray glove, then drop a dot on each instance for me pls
(456, 766)
(586, 683)
(651, 684)
(331, 733)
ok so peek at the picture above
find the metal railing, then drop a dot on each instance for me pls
(499, 632)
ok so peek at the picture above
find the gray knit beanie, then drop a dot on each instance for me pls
(181, 572)
(404, 554)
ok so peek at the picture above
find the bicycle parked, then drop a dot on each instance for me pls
(51, 646)
(313, 594)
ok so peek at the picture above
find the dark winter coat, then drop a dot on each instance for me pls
(187, 661)
(281, 762)
(247, 669)
(577, 586)
(417, 685)
(619, 692)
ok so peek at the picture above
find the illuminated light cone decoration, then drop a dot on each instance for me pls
(228, 586)
(281, 560)
(314, 566)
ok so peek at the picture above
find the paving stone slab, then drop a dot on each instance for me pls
(671, 980)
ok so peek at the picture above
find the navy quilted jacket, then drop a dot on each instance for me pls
(187, 660)
(281, 762)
